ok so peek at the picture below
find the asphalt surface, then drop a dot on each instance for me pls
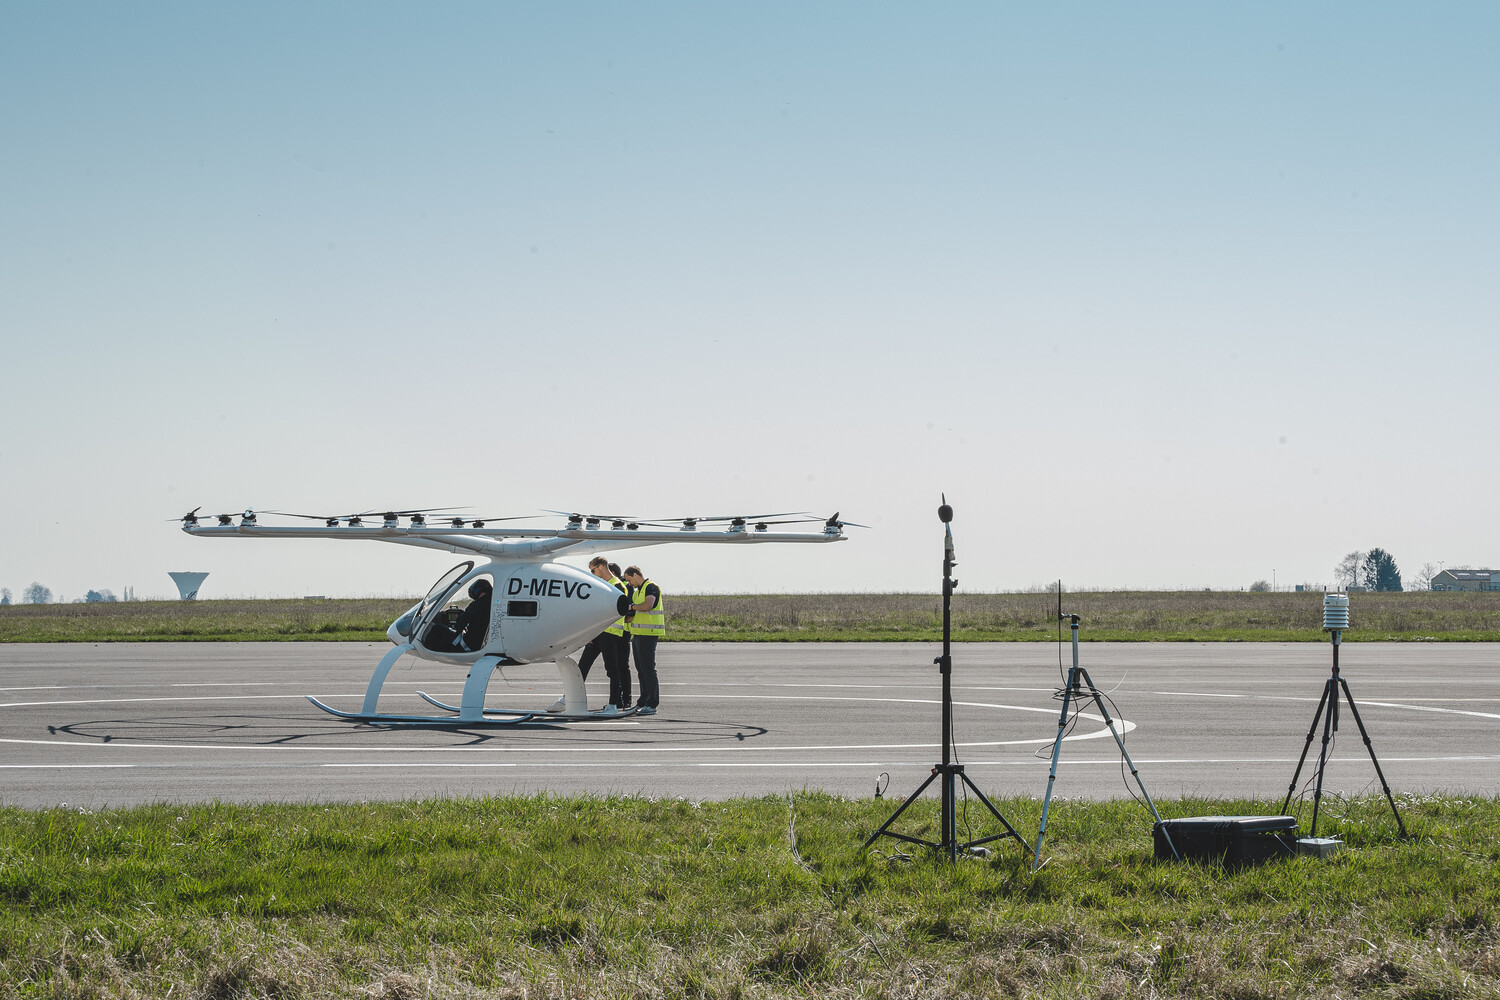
(108, 725)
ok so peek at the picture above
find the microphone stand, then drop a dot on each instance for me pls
(948, 770)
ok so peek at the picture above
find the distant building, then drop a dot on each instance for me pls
(188, 584)
(1467, 579)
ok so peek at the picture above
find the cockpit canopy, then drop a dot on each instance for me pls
(451, 590)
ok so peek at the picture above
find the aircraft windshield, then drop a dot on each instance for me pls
(445, 583)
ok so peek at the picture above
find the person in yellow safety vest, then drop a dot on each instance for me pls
(648, 623)
(612, 645)
(619, 574)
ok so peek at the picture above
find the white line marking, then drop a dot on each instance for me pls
(225, 684)
(1380, 704)
(130, 701)
(1426, 708)
(62, 767)
(1110, 762)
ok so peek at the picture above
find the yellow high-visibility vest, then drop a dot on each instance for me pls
(618, 628)
(653, 622)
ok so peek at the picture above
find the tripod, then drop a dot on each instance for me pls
(949, 771)
(1330, 703)
(1079, 684)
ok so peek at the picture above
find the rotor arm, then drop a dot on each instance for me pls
(397, 536)
(506, 540)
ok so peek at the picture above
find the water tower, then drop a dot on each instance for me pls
(188, 584)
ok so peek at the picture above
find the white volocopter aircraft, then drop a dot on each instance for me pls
(539, 609)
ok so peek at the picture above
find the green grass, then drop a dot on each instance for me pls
(1118, 616)
(360, 620)
(628, 897)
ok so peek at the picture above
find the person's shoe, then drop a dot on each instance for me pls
(559, 704)
(608, 711)
(646, 710)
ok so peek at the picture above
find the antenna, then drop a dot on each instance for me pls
(1078, 686)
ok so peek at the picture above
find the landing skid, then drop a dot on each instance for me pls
(539, 716)
(471, 711)
(514, 719)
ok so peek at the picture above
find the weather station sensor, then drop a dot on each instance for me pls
(1242, 840)
(1335, 621)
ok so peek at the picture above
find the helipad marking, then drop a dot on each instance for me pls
(1124, 725)
(674, 749)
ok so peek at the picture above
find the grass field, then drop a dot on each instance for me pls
(1204, 616)
(587, 897)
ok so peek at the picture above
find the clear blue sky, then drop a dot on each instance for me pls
(1161, 295)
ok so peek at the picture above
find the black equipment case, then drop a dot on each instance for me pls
(1235, 840)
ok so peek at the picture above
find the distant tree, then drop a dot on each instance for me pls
(37, 594)
(1346, 573)
(1260, 587)
(1423, 578)
(4, 595)
(98, 597)
(1379, 571)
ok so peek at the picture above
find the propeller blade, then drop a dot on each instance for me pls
(589, 517)
(757, 517)
(479, 522)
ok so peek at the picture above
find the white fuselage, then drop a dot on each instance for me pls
(538, 611)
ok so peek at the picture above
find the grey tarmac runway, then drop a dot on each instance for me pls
(119, 724)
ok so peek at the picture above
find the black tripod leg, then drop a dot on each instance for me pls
(1368, 746)
(1311, 732)
(1329, 725)
(901, 809)
(1010, 830)
(950, 816)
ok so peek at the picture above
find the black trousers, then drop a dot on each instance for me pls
(442, 638)
(615, 651)
(645, 667)
(619, 671)
(592, 650)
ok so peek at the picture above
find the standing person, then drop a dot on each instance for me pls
(613, 643)
(610, 645)
(647, 626)
(619, 574)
